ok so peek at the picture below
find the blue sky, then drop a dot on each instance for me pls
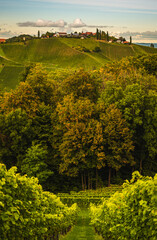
(137, 18)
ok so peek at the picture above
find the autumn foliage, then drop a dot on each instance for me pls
(88, 126)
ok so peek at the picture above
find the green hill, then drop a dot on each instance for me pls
(61, 53)
(9, 76)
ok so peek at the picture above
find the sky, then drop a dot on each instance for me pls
(136, 18)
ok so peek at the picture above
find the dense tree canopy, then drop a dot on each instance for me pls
(83, 124)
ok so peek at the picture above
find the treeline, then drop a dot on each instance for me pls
(20, 38)
(101, 35)
(82, 128)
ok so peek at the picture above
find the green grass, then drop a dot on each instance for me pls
(61, 53)
(82, 229)
(9, 77)
(1, 68)
(51, 51)
(1, 52)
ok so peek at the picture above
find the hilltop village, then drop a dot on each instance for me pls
(98, 35)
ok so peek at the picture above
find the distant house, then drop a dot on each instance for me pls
(75, 34)
(126, 42)
(2, 40)
(119, 41)
(83, 34)
(61, 34)
(89, 34)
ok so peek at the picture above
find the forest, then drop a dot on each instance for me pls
(82, 129)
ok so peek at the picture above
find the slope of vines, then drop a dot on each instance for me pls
(131, 214)
(28, 212)
(84, 198)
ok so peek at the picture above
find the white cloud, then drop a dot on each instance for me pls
(146, 37)
(77, 23)
(61, 24)
(43, 23)
(7, 33)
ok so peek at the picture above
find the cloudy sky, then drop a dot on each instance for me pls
(137, 18)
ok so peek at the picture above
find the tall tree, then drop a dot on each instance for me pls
(100, 35)
(81, 148)
(107, 37)
(97, 33)
(38, 34)
(130, 40)
(118, 144)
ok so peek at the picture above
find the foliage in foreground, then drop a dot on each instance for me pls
(28, 212)
(129, 215)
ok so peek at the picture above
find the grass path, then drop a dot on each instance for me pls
(82, 230)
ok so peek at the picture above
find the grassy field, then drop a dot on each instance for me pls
(9, 77)
(60, 53)
(64, 52)
(82, 229)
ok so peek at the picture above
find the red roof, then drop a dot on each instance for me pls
(89, 33)
(2, 40)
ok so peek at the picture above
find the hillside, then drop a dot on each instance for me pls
(60, 53)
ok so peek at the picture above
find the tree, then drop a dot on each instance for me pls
(97, 33)
(130, 40)
(152, 45)
(117, 139)
(97, 49)
(82, 84)
(23, 97)
(34, 163)
(15, 137)
(100, 35)
(26, 71)
(81, 147)
(43, 87)
(107, 37)
(133, 91)
(103, 35)
(38, 34)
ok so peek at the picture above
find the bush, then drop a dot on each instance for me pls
(129, 215)
(97, 49)
(27, 212)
